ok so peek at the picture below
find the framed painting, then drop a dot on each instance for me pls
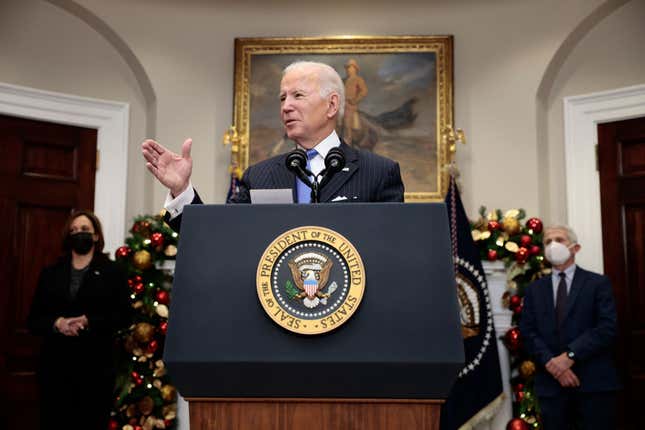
(399, 93)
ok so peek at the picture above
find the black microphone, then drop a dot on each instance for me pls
(296, 162)
(335, 160)
(334, 163)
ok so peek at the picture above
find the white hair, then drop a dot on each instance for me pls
(573, 237)
(328, 79)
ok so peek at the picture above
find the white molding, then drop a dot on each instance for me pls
(111, 121)
(582, 114)
(496, 278)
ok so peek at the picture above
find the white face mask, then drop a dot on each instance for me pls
(557, 253)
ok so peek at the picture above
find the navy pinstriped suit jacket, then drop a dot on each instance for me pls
(367, 177)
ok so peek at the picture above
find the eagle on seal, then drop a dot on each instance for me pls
(310, 272)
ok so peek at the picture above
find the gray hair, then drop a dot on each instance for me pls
(573, 237)
(328, 79)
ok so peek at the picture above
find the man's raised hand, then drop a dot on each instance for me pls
(171, 169)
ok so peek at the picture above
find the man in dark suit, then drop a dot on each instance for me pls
(311, 101)
(568, 325)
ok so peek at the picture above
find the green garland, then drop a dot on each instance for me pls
(144, 395)
(505, 237)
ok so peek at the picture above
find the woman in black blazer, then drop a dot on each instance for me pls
(79, 304)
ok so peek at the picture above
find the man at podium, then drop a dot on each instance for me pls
(311, 103)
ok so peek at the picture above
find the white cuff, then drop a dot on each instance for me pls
(176, 206)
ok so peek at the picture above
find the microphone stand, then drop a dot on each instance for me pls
(315, 189)
(297, 158)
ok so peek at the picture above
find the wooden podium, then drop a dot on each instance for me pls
(313, 414)
(389, 366)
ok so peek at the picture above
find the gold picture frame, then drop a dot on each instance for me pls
(407, 114)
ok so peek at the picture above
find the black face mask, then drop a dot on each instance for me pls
(81, 242)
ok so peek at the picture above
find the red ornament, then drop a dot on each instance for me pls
(522, 255)
(517, 424)
(518, 387)
(141, 227)
(513, 339)
(535, 224)
(525, 240)
(163, 327)
(535, 250)
(514, 301)
(113, 425)
(492, 255)
(494, 225)
(138, 288)
(152, 346)
(156, 240)
(163, 297)
(134, 375)
(517, 310)
(519, 396)
(122, 252)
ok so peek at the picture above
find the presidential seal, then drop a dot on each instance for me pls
(310, 280)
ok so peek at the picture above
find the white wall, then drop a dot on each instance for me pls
(502, 50)
(608, 57)
(44, 47)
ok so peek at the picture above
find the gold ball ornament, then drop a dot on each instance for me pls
(142, 260)
(169, 412)
(168, 393)
(511, 225)
(513, 213)
(170, 251)
(146, 405)
(511, 247)
(476, 234)
(162, 311)
(527, 369)
(159, 372)
(143, 332)
(131, 411)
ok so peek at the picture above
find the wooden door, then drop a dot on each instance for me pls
(46, 170)
(621, 156)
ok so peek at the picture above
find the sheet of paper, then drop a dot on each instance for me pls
(282, 195)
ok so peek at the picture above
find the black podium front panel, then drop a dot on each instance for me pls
(403, 342)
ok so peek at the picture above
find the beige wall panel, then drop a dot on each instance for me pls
(609, 57)
(44, 47)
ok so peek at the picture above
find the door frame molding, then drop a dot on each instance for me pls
(110, 119)
(582, 114)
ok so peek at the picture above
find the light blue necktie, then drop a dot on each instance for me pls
(304, 192)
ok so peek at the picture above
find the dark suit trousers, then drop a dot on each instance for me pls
(576, 410)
